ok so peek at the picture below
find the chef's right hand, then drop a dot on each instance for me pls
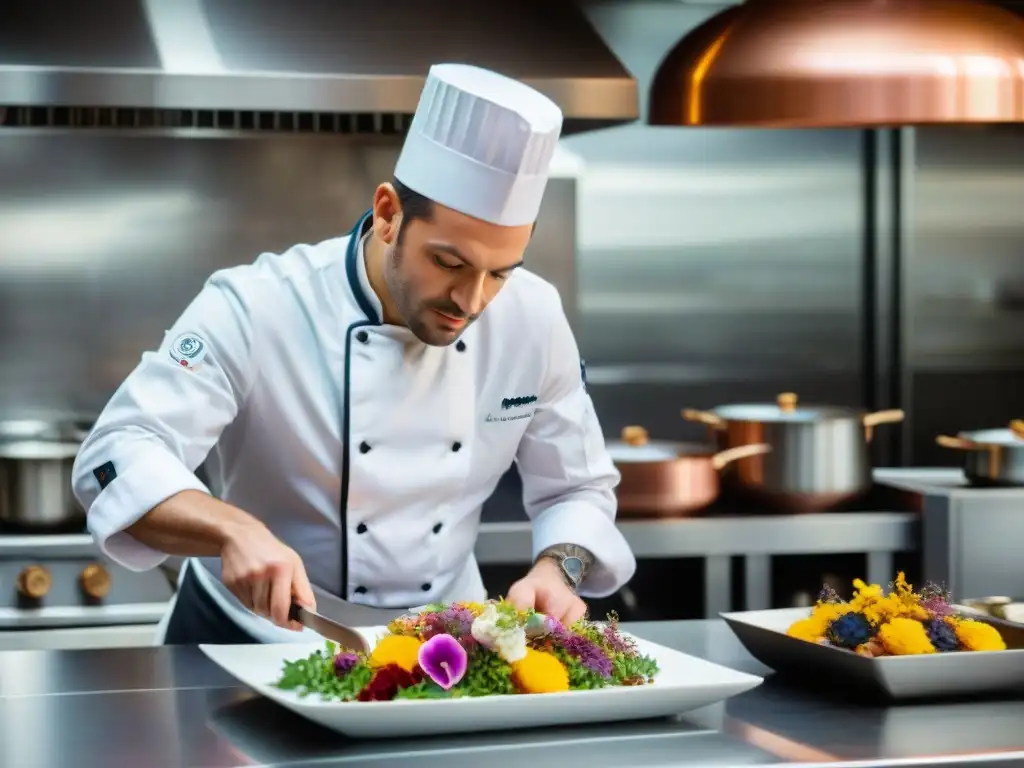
(265, 575)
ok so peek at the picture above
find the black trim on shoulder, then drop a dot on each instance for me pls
(366, 307)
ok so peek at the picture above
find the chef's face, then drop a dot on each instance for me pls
(443, 269)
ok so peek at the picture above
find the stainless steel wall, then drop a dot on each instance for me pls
(715, 265)
(105, 236)
(964, 284)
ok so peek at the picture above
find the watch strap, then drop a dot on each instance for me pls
(573, 561)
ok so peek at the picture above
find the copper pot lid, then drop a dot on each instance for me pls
(785, 409)
(839, 63)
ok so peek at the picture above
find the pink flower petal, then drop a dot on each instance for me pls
(443, 659)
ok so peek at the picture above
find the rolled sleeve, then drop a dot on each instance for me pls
(164, 419)
(582, 524)
(569, 479)
(152, 477)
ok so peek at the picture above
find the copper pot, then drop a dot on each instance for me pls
(669, 479)
(819, 457)
(992, 457)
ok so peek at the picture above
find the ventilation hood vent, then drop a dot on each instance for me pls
(306, 57)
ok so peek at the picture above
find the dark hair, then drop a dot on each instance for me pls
(417, 206)
(414, 205)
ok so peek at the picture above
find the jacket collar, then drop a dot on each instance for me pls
(355, 271)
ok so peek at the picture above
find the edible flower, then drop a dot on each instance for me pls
(850, 631)
(344, 662)
(386, 682)
(499, 631)
(905, 637)
(540, 672)
(400, 650)
(977, 635)
(443, 660)
(943, 635)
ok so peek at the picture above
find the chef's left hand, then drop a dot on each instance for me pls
(544, 589)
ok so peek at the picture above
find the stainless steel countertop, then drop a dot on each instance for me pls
(158, 707)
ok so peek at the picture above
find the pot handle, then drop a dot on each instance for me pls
(960, 443)
(719, 460)
(703, 417)
(872, 420)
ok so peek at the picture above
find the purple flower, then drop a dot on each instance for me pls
(585, 651)
(444, 660)
(937, 606)
(588, 653)
(616, 642)
(344, 662)
(457, 620)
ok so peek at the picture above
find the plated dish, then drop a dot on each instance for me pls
(681, 683)
(891, 644)
(473, 650)
(901, 622)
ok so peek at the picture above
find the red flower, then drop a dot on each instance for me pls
(386, 681)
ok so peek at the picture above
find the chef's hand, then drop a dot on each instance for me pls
(544, 589)
(265, 575)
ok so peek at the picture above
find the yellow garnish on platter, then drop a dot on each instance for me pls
(402, 650)
(900, 622)
(540, 672)
(905, 637)
(978, 636)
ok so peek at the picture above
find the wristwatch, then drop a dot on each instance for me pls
(573, 561)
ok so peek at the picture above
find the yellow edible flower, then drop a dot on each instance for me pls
(978, 636)
(540, 672)
(808, 629)
(905, 637)
(812, 629)
(396, 649)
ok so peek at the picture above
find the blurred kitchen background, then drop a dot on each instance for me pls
(876, 269)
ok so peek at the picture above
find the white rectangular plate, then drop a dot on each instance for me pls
(763, 634)
(684, 683)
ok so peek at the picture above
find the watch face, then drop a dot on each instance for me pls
(573, 568)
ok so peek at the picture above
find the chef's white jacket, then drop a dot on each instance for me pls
(365, 450)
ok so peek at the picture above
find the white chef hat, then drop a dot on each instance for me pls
(480, 143)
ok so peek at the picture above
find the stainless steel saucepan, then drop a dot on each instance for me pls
(819, 453)
(36, 459)
(992, 457)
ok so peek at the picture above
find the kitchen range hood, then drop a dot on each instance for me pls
(303, 56)
(845, 63)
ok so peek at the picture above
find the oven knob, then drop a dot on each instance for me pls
(95, 581)
(34, 582)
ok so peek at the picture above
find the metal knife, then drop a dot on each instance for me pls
(347, 638)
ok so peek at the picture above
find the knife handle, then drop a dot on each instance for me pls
(293, 613)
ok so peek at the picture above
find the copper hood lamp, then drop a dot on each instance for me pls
(845, 63)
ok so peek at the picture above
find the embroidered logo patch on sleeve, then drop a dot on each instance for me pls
(105, 474)
(188, 350)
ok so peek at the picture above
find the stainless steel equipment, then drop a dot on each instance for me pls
(970, 537)
(991, 456)
(303, 62)
(35, 484)
(57, 590)
(819, 456)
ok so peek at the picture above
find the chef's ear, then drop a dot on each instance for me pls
(387, 213)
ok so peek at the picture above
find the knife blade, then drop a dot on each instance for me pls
(347, 638)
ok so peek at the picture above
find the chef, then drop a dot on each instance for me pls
(354, 403)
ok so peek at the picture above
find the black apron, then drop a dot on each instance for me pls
(196, 618)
